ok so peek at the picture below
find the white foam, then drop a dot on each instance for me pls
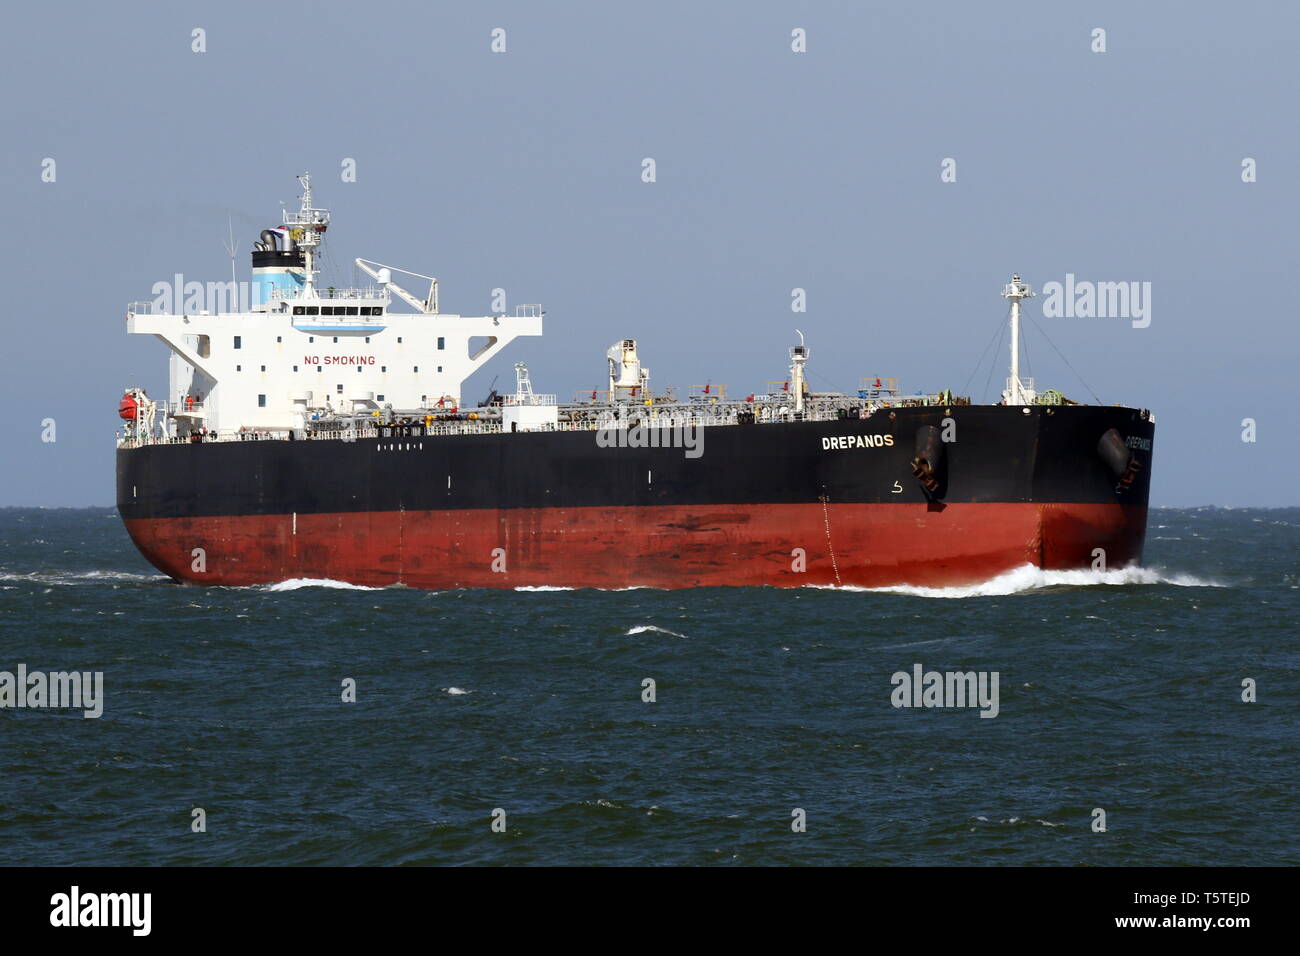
(643, 628)
(541, 587)
(80, 577)
(455, 691)
(1030, 577)
(293, 584)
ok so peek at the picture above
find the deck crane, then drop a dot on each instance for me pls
(384, 276)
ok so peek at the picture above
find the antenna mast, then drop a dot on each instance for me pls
(1016, 393)
(231, 248)
(309, 225)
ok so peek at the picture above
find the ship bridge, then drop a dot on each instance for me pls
(351, 311)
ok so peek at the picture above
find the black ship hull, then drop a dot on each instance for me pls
(825, 502)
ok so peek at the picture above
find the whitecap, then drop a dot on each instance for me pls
(69, 578)
(293, 584)
(1029, 577)
(643, 628)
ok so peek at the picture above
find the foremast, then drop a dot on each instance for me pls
(1017, 392)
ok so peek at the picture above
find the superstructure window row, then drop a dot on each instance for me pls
(338, 310)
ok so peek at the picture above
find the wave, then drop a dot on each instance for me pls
(82, 577)
(293, 584)
(643, 628)
(1019, 821)
(1029, 577)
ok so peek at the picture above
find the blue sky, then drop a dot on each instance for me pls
(775, 170)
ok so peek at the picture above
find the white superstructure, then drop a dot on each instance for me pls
(302, 352)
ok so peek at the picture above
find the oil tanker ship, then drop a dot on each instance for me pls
(320, 432)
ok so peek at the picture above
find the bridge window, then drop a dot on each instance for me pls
(365, 310)
(297, 310)
(352, 310)
(312, 310)
(442, 342)
(379, 398)
(340, 386)
(239, 342)
(261, 401)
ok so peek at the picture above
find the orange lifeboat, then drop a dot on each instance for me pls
(128, 407)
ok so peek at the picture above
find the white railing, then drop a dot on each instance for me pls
(177, 408)
(574, 418)
(328, 294)
(586, 420)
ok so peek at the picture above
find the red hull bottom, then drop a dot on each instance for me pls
(865, 545)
